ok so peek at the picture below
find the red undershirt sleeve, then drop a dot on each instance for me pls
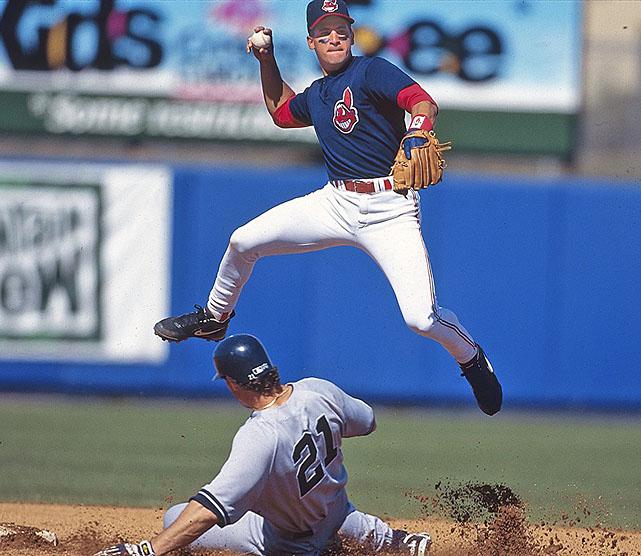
(283, 116)
(411, 95)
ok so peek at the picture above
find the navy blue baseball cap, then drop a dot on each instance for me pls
(243, 358)
(317, 10)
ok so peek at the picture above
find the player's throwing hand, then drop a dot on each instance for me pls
(260, 42)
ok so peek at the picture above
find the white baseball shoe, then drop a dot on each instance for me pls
(417, 544)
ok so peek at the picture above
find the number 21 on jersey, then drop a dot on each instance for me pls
(306, 454)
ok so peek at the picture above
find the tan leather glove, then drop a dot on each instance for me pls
(425, 165)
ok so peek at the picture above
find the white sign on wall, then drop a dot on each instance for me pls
(84, 261)
(49, 261)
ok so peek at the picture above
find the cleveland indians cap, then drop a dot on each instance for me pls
(318, 10)
(242, 358)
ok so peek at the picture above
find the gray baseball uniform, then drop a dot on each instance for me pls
(282, 489)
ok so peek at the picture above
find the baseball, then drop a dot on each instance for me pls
(261, 40)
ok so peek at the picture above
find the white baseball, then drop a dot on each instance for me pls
(261, 40)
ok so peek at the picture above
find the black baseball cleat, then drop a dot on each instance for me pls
(486, 387)
(412, 544)
(198, 324)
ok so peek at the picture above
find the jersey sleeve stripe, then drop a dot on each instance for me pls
(209, 501)
(411, 95)
(283, 116)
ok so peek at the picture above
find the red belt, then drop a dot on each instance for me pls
(364, 186)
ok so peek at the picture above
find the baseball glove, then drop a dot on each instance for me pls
(424, 166)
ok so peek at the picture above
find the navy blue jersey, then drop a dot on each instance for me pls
(356, 116)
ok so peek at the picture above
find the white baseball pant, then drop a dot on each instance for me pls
(252, 534)
(385, 225)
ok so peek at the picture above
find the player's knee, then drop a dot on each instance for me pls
(172, 514)
(242, 240)
(421, 324)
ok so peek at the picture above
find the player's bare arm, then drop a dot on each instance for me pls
(275, 90)
(426, 108)
(191, 524)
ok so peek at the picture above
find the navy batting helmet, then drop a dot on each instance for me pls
(242, 358)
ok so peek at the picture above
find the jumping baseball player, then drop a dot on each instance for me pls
(376, 167)
(282, 489)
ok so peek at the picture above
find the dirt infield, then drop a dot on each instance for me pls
(82, 530)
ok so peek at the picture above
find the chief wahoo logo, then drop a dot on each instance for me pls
(330, 5)
(345, 113)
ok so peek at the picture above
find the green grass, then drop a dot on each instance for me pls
(99, 451)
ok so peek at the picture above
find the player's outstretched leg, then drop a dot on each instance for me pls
(486, 387)
(369, 534)
(301, 225)
(409, 272)
(197, 324)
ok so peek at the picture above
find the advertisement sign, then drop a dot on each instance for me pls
(71, 255)
(178, 68)
(50, 261)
